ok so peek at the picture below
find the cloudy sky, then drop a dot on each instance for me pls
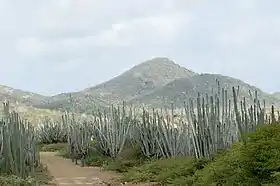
(53, 46)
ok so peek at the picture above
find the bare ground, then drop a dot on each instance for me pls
(67, 173)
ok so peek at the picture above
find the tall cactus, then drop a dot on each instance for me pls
(112, 128)
(204, 126)
(18, 154)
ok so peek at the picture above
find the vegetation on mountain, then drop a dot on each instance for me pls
(78, 102)
(155, 83)
(19, 96)
(20, 163)
(183, 89)
(140, 80)
(220, 137)
(216, 141)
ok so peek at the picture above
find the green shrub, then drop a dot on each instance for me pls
(42, 178)
(16, 181)
(262, 154)
(257, 163)
(64, 153)
(95, 158)
(227, 169)
(130, 157)
(174, 171)
(53, 147)
(127, 159)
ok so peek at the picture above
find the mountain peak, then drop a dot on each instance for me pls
(159, 70)
(159, 61)
(141, 79)
(162, 65)
(155, 82)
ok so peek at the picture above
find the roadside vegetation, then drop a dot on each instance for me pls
(213, 141)
(19, 158)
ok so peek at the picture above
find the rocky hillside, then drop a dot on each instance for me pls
(156, 82)
(140, 80)
(74, 101)
(22, 101)
(183, 89)
(20, 96)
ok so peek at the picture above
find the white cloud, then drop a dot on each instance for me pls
(158, 28)
(83, 37)
(155, 28)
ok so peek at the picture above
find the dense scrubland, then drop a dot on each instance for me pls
(212, 141)
(19, 158)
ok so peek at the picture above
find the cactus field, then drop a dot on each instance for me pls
(205, 126)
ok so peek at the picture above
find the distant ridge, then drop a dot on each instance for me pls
(140, 80)
(182, 89)
(20, 96)
(156, 82)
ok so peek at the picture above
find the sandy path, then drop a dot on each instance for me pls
(67, 173)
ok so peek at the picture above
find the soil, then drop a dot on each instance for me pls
(65, 173)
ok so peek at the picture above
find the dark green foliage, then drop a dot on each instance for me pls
(95, 158)
(42, 178)
(183, 89)
(130, 157)
(262, 154)
(173, 171)
(226, 169)
(53, 147)
(255, 163)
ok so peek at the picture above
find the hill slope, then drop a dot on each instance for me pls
(276, 95)
(22, 101)
(140, 80)
(20, 96)
(81, 102)
(156, 82)
(182, 89)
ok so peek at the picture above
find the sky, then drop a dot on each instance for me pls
(54, 46)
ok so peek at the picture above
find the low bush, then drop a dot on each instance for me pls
(42, 178)
(64, 153)
(173, 171)
(256, 163)
(53, 147)
(253, 164)
(130, 157)
(95, 158)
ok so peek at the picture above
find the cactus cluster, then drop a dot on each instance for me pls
(50, 132)
(205, 126)
(78, 137)
(18, 153)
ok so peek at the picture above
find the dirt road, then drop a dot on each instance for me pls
(67, 173)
